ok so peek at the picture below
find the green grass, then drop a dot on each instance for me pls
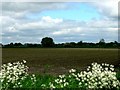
(40, 79)
(59, 60)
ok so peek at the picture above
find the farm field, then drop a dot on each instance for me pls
(59, 60)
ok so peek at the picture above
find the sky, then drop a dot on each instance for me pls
(29, 22)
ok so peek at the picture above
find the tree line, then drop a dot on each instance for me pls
(47, 42)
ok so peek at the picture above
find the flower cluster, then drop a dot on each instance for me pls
(97, 76)
(12, 74)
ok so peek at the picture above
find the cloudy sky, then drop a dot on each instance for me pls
(29, 22)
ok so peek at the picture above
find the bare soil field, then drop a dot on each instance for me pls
(59, 60)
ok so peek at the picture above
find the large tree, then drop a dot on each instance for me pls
(47, 42)
(102, 43)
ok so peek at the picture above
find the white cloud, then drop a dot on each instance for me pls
(44, 23)
(103, 23)
(18, 7)
(48, 26)
(68, 31)
(48, 19)
(17, 27)
(109, 8)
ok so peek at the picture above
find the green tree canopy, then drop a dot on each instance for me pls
(47, 42)
(102, 41)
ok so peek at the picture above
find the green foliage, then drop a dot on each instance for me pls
(96, 77)
(118, 73)
(47, 42)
